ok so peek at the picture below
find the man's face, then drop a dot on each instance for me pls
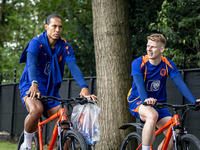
(154, 49)
(54, 28)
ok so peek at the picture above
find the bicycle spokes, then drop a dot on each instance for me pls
(187, 146)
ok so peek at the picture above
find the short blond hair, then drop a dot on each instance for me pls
(157, 38)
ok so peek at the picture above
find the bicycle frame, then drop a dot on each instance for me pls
(174, 121)
(61, 115)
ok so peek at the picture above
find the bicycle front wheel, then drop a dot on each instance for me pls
(132, 141)
(189, 142)
(73, 140)
(35, 141)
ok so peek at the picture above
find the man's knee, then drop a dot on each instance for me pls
(35, 109)
(36, 112)
(149, 114)
(152, 115)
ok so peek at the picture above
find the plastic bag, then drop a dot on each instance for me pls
(85, 119)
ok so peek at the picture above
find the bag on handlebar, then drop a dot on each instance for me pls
(85, 119)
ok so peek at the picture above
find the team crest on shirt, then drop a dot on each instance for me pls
(153, 85)
(46, 69)
(163, 72)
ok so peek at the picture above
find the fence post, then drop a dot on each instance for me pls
(184, 58)
(13, 104)
(91, 85)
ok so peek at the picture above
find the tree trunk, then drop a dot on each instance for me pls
(113, 66)
(2, 32)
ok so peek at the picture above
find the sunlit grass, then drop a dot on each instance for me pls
(7, 145)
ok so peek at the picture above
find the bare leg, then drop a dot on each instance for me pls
(159, 124)
(149, 115)
(35, 109)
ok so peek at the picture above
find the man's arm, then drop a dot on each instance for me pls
(32, 74)
(76, 73)
(139, 82)
(184, 89)
(32, 70)
(78, 76)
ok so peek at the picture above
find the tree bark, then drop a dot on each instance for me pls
(2, 22)
(113, 67)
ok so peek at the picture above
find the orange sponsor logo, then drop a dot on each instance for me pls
(139, 102)
(25, 98)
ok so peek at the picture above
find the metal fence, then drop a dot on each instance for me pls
(12, 111)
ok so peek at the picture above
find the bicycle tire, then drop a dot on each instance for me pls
(35, 141)
(188, 142)
(132, 141)
(74, 140)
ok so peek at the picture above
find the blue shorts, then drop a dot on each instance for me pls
(46, 105)
(134, 107)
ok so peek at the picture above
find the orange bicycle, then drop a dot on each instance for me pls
(67, 137)
(182, 140)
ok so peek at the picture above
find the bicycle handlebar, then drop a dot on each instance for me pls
(79, 100)
(195, 107)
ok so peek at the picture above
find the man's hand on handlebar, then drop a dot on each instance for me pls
(198, 101)
(33, 91)
(92, 97)
(85, 93)
(150, 101)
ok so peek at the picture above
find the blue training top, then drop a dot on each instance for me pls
(150, 80)
(49, 66)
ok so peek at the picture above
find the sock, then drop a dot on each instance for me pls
(27, 139)
(146, 147)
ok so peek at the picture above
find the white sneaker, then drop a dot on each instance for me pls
(22, 147)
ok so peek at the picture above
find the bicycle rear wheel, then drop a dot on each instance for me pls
(189, 142)
(35, 141)
(132, 141)
(74, 140)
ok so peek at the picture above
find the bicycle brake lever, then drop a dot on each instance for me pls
(196, 108)
(145, 103)
(87, 100)
(158, 106)
(36, 96)
(91, 101)
(83, 101)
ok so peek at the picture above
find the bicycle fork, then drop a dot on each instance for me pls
(59, 135)
(173, 128)
(61, 121)
(174, 137)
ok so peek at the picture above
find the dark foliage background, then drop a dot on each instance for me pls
(21, 20)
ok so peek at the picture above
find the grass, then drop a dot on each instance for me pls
(7, 145)
(10, 145)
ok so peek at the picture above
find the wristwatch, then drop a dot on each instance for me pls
(34, 81)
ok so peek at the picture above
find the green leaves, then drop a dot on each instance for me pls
(21, 20)
(179, 21)
(142, 14)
